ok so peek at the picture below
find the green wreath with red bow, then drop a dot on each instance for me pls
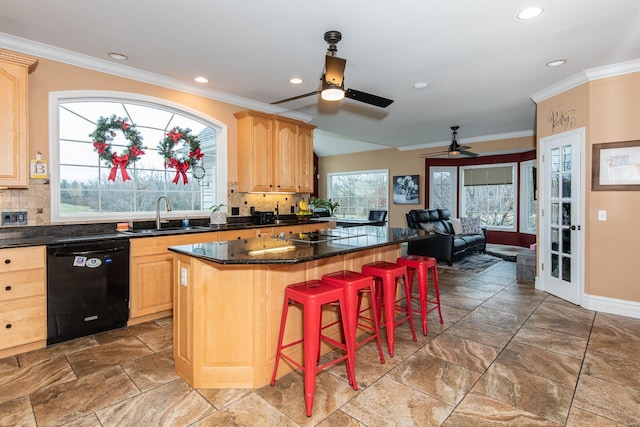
(178, 141)
(102, 138)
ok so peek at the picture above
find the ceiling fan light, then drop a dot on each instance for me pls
(332, 94)
(454, 153)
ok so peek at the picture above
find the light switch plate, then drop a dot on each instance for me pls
(602, 215)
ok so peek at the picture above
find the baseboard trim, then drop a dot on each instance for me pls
(611, 305)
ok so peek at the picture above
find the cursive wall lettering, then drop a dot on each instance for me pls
(562, 120)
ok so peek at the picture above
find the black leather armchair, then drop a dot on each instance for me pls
(378, 216)
(442, 244)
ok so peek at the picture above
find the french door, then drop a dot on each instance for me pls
(562, 211)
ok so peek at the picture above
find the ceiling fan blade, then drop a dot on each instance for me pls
(334, 70)
(468, 153)
(463, 147)
(315, 92)
(368, 98)
(437, 153)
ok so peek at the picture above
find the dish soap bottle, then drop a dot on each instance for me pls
(185, 222)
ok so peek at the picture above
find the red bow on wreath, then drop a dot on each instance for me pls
(119, 162)
(176, 136)
(181, 169)
(197, 154)
(100, 146)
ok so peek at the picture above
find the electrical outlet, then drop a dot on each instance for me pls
(14, 218)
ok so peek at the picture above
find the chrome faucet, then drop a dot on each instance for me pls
(167, 206)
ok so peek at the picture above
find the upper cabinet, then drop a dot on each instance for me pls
(14, 142)
(275, 154)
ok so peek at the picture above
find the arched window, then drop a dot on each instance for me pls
(80, 184)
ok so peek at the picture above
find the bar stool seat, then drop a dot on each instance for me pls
(421, 265)
(312, 295)
(387, 274)
(354, 285)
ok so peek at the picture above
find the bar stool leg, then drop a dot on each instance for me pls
(434, 273)
(312, 343)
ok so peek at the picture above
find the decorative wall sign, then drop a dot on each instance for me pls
(616, 166)
(405, 189)
(562, 120)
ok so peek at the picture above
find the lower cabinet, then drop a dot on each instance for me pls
(23, 305)
(151, 274)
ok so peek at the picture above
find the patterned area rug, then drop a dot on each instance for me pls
(473, 263)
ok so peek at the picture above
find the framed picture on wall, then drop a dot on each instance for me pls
(406, 189)
(616, 166)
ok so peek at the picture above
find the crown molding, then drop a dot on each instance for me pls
(72, 58)
(485, 138)
(587, 76)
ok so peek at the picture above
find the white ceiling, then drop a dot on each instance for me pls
(482, 64)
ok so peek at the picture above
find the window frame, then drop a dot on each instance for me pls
(55, 98)
(526, 191)
(453, 170)
(360, 172)
(514, 171)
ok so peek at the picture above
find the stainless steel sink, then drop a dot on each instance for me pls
(168, 230)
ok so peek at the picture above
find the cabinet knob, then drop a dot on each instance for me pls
(7, 261)
(7, 288)
(8, 326)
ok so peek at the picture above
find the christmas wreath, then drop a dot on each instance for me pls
(174, 157)
(104, 134)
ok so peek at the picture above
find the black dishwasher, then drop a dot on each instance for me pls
(87, 288)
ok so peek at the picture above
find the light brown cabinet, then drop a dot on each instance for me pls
(275, 154)
(23, 305)
(151, 274)
(14, 142)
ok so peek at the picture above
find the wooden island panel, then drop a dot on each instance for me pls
(227, 317)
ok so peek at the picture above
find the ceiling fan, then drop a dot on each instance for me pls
(332, 86)
(454, 149)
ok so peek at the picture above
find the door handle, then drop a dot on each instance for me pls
(573, 227)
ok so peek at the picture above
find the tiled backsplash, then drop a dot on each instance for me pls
(36, 201)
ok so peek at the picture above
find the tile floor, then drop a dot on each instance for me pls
(506, 355)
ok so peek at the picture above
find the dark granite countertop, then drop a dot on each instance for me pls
(12, 237)
(294, 249)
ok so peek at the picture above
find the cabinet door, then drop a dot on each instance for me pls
(285, 160)
(13, 126)
(154, 292)
(304, 156)
(255, 156)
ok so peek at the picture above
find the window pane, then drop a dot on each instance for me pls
(492, 202)
(359, 192)
(85, 186)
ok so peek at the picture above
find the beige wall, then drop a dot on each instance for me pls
(404, 163)
(609, 110)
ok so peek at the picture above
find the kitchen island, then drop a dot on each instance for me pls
(228, 297)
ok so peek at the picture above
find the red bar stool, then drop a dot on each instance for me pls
(388, 274)
(421, 266)
(354, 285)
(313, 294)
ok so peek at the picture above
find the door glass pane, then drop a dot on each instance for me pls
(555, 241)
(566, 269)
(566, 241)
(555, 160)
(555, 186)
(566, 185)
(554, 266)
(566, 158)
(566, 213)
(555, 213)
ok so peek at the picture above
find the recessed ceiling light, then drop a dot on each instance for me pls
(556, 62)
(201, 79)
(118, 56)
(420, 85)
(530, 13)
(295, 80)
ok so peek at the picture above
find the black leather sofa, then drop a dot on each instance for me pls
(442, 244)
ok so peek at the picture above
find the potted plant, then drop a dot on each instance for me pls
(218, 216)
(329, 205)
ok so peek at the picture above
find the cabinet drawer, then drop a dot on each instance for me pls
(21, 259)
(22, 321)
(20, 284)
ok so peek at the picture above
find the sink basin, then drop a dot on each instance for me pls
(167, 230)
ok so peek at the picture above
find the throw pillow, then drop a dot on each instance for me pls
(428, 227)
(457, 225)
(470, 225)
